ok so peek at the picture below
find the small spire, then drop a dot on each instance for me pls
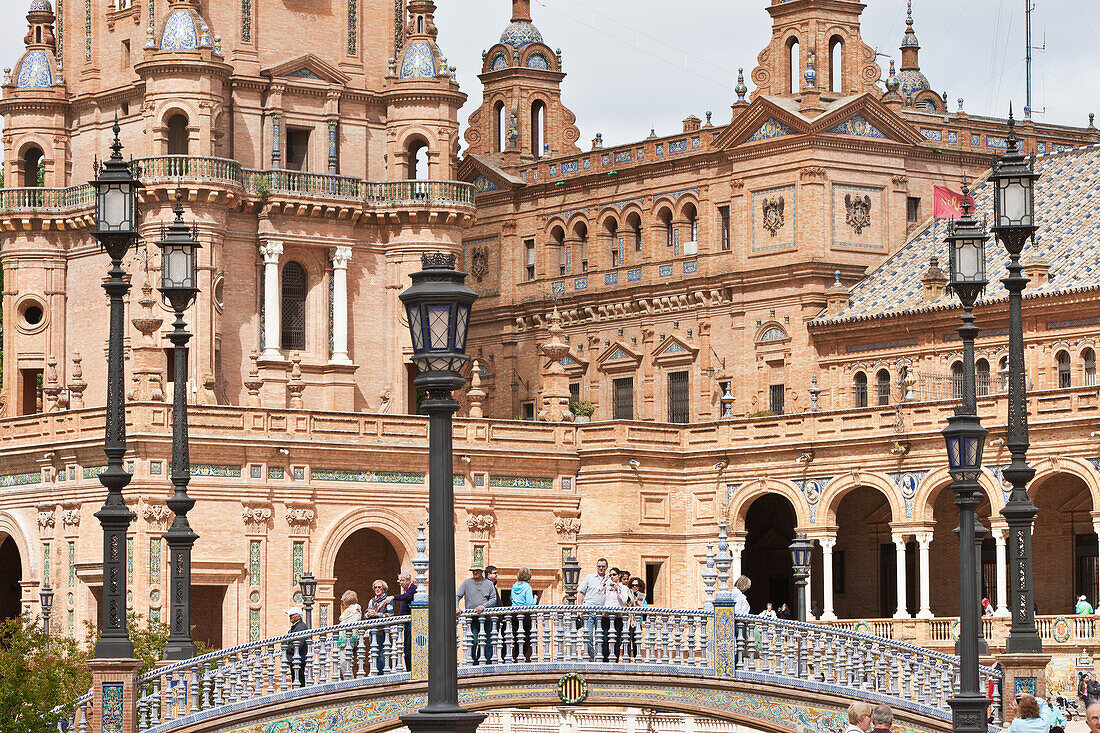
(178, 208)
(966, 198)
(1012, 143)
(116, 146)
(741, 89)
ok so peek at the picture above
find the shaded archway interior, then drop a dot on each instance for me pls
(766, 560)
(1064, 545)
(864, 564)
(944, 555)
(364, 557)
(11, 572)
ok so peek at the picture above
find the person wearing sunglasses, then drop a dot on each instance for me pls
(616, 595)
(635, 620)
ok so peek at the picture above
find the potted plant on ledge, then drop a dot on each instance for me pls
(582, 410)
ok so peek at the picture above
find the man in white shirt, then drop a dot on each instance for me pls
(591, 592)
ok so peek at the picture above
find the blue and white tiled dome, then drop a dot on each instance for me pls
(520, 33)
(35, 71)
(40, 6)
(913, 81)
(418, 62)
(179, 33)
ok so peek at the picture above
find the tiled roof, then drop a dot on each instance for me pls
(1067, 203)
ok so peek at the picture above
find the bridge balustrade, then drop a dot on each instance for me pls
(541, 638)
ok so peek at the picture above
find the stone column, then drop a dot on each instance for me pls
(924, 541)
(827, 545)
(340, 257)
(999, 536)
(899, 551)
(737, 546)
(271, 252)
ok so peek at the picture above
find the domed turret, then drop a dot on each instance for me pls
(911, 81)
(184, 29)
(521, 31)
(421, 57)
(38, 67)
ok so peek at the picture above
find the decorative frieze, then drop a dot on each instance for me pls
(256, 518)
(157, 516)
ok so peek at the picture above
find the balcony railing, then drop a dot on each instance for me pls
(45, 199)
(400, 192)
(191, 167)
(260, 183)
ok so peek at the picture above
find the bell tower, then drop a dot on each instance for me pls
(522, 117)
(816, 45)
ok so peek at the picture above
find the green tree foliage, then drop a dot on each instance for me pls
(148, 638)
(40, 677)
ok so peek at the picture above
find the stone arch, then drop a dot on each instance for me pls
(939, 479)
(1051, 466)
(394, 526)
(841, 486)
(607, 214)
(744, 497)
(682, 202)
(662, 202)
(578, 218)
(10, 529)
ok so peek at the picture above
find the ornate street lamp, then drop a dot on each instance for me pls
(965, 439)
(45, 598)
(438, 307)
(308, 584)
(1014, 224)
(116, 229)
(801, 552)
(570, 578)
(179, 286)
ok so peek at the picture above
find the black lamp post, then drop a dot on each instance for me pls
(965, 439)
(1014, 224)
(801, 549)
(179, 286)
(45, 598)
(438, 307)
(308, 584)
(570, 578)
(116, 229)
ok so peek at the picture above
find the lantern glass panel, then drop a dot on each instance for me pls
(954, 452)
(439, 321)
(973, 452)
(1015, 210)
(968, 259)
(461, 327)
(416, 326)
(177, 271)
(114, 207)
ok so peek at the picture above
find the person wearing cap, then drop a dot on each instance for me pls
(479, 593)
(296, 648)
(1084, 608)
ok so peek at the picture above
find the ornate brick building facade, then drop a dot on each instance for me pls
(753, 307)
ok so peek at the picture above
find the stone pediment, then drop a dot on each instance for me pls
(761, 120)
(308, 67)
(673, 349)
(574, 364)
(486, 175)
(617, 357)
(867, 117)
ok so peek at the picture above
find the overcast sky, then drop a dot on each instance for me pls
(636, 64)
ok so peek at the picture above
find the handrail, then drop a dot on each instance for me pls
(46, 199)
(170, 167)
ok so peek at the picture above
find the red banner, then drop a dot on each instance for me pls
(949, 204)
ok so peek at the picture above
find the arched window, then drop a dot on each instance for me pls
(836, 64)
(611, 226)
(692, 216)
(795, 66)
(580, 232)
(1064, 378)
(634, 223)
(33, 172)
(418, 160)
(177, 134)
(501, 127)
(665, 217)
(981, 370)
(957, 380)
(538, 127)
(882, 380)
(557, 237)
(294, 307)
(1088, 356)
(859, 385)
(420, 24)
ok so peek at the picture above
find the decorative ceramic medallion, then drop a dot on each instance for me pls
(859, 212)
(572, 689)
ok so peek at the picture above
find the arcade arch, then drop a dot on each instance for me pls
(364, 557)
(11, 573)
(770, 522)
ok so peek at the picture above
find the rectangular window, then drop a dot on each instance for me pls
(678, 397)
(126, 54)
(624, 398)
(528, 410)
(297, 148)
(30, 391)
(615, 257)
(724, 212)
(652, 579)
(912, 209)
(776, 394)
(574, 392)
(529, 249)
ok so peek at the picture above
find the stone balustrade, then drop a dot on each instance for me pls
(1065, 634)
(552, 638)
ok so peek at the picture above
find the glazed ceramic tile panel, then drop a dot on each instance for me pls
(179, 32)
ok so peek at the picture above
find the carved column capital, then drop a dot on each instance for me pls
(271, 252)
(340, 257)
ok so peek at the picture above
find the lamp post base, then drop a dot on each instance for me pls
(969, 712)
(458, 721)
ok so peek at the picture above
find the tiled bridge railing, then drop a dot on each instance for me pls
(513, 640)
(262, 183)
(1057, 632)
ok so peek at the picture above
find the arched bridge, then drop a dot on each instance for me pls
(768, 674)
